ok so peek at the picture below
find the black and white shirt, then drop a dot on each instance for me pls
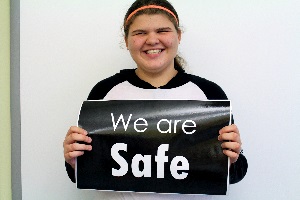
(126, 85)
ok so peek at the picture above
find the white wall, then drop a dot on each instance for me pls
(250, 48)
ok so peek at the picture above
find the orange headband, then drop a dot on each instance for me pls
(151, 6)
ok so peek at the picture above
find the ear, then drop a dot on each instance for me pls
(126, 41)
(179, 35)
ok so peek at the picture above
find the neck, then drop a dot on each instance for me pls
(156, 79)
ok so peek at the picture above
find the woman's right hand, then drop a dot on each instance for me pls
(72, 149)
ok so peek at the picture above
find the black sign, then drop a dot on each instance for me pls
(163, 146)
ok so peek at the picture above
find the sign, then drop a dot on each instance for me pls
(163, 146)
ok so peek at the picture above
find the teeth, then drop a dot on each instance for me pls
(153, 51)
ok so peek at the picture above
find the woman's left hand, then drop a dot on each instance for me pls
(232, 143)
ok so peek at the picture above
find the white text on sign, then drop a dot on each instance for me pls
(177, 163)
(140, 125)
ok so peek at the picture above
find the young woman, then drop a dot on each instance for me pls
(152, 36)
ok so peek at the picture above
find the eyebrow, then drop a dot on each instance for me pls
(164, 29)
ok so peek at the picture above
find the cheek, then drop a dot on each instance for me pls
(172, 45)
(171, 42)
(133, 44)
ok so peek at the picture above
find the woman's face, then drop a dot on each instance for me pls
(153, 42)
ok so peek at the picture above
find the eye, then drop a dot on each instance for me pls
(163, 30)
(138, 33)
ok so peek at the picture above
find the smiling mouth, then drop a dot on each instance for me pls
(156, 51)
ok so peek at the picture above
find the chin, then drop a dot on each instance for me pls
(153, 69)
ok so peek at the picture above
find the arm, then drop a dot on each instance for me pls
(72, 149)
(238, 169)
(232, 146)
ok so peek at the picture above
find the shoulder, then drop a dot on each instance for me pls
(104, 86)
(212, 90)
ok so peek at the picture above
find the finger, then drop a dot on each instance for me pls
(71, 162)
(76, 129)
(232, 155)
(71, 155)
(77, 147)
(231, 146)
(230, 128)
(75, 137)
(74, 150)
(232, 136)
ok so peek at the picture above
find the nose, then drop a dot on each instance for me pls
(152, 39)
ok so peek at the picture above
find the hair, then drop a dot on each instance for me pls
(178, 61)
